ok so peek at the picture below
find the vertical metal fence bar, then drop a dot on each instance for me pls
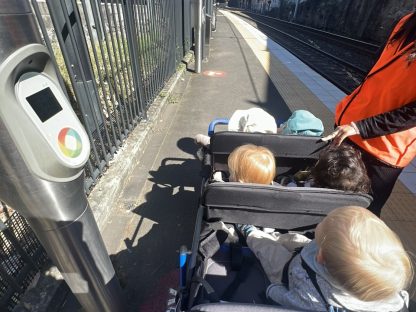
(128, 55)
(165, 18)
(71, 34)
(101, 80)
(120, 65)
(172, 26)
(137, 42)
(132, 41)
(162, 38)
(128, 60)
(157, 9)
(151, 55)
(171, 39)
(96, 11)
(178, 31)
(171, 42)
(122, 105)
(181, 33)
(113, 68)
(167, 37)
(187, 27)
(155, 56)
(148, 30)
(109, 150)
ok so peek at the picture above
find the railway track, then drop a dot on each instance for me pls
(343, 61)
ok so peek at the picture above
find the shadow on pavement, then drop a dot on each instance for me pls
(148, 267)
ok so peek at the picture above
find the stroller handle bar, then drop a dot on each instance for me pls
(215, 122)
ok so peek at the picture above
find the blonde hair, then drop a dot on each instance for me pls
(363, 254)
(252, 164)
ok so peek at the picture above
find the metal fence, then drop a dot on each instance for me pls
(21, 256)
(114, 56)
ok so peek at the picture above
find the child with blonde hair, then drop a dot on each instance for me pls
(356, 262)
(252, 164)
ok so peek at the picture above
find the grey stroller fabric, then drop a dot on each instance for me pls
(237, 307)
(242, 283)
(274, 206)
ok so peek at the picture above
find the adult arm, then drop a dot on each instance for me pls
(397, 120)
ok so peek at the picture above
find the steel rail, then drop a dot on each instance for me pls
(359, 72)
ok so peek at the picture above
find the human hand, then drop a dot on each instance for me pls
(340, 134)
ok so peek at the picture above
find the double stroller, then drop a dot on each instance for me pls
(220, 273)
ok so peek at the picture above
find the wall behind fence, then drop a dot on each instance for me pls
(114, 56)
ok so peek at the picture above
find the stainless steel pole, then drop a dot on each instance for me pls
(208, 28)
(198, 35)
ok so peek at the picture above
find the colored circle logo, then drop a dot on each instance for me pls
(70, 142)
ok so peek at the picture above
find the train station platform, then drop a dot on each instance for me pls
(155, 213)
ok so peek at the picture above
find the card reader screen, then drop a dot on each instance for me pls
(44, 104)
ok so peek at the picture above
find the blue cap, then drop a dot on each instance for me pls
(303, 122)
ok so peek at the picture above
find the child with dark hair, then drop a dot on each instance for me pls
(341, 168)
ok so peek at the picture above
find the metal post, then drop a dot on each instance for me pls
(198, 35)
(187, 25)
(208, 27)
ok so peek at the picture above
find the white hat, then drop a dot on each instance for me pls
(252, 120)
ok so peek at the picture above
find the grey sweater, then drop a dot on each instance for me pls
(302, 294)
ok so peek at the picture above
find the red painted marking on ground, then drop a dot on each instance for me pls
(214, 73)
(157, 300)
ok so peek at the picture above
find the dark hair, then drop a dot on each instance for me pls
(341, 168)
(406, 28)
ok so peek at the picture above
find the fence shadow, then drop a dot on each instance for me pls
(148, 266)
